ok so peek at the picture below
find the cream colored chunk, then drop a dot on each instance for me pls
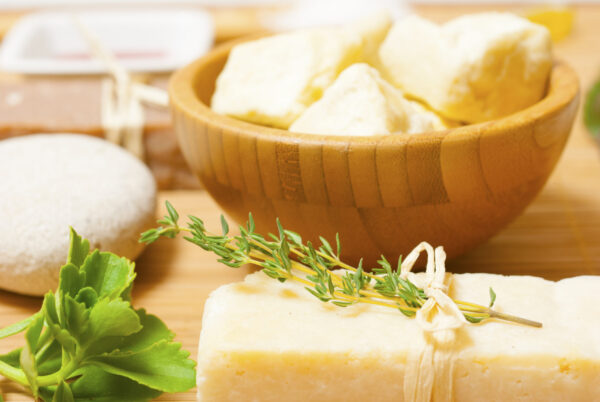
(266, 341)
(373, 30)
(474, 68)
(272, 80)
(360, 102)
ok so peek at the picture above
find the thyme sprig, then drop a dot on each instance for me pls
(286, 256)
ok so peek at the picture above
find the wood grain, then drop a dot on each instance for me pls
(557, 236)
(458, 187)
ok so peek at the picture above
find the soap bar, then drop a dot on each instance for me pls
(266, 341)
(360, 102)
(474, 68)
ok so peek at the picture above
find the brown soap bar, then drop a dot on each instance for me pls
(73, 105)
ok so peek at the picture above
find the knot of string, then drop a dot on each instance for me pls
(439, 311)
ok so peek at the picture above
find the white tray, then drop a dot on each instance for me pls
(142, 40)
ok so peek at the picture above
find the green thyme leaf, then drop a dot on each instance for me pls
(492, 297)
(473, 320)
(172, 213)
(224, 225)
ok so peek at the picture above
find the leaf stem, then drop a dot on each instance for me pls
(13, 373)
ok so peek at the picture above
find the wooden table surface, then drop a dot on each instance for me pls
(557, 236)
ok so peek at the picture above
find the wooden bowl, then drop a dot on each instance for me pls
(383, 194)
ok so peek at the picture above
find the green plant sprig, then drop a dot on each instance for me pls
(286, 257)
(88, 343)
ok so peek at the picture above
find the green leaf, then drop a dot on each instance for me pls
(17, 327)
(27, 358)
(1, 398)
(78, 249)
(473, 320)
(63, 393)
(111, 318)
(153, 331)
(591, 110)
(71, 280)
(87, 296)
(163, 366)
(108, 274)
(12, 358)
(224, 225)
(492, 297)
(49, 308)
(54, 325)
(77, 317)
(99, 386)
(172, 212)
(49, 358)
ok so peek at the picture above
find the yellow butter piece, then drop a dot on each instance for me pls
(475, 68)
(271, 81)
(360, 102)
(373, 30)
(266, 341)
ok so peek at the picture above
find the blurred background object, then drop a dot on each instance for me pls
(558, 20)
(591, 110)
(148, 40)
(311, 13)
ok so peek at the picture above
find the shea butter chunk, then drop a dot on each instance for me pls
(360, 102)
(474, 68)
(272, 80)
(372, 29)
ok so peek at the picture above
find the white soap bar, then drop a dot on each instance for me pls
(474, 68)
(360, 102)
(266, 341)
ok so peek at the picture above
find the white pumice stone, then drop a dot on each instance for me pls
(51, 182)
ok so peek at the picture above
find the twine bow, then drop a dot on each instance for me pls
(429, 370)
(439, 311)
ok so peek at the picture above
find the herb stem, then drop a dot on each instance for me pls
(286, 257)
(60, 375)
(13, 373)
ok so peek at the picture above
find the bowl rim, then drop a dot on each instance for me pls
(562, 88)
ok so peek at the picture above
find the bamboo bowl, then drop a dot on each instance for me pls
(382, 194)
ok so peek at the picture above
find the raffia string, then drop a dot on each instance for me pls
(429, 369)
(122, 112)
